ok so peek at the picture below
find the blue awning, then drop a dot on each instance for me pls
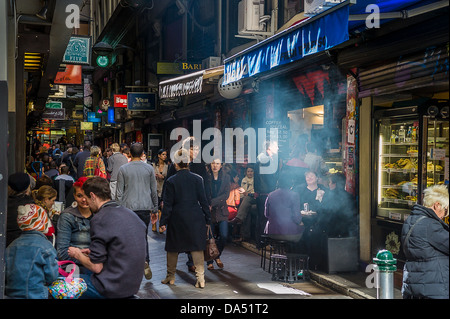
(385, 7)
(316, 34)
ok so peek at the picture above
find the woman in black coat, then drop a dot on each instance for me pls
(220, 191)
(426, 247)
(185, 214)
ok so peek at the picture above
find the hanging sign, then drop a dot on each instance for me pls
(54, 114)
(181, 86)
(120, 100)
(78, 51)
(71, 75)
(307, 38)
(141, 101)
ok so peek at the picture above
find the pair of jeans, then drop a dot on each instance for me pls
(91, 292)
(144, 215)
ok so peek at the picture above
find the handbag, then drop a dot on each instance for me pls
(97, 171)
(67, 287)
(211, 252)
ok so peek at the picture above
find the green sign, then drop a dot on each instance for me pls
(53, 105)
(102, 61)
(78, 51)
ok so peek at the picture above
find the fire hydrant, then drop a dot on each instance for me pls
(386, 266)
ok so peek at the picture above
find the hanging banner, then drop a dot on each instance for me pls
(309, 37)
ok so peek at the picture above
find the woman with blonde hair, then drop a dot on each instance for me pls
(94, 162)
(425, 240)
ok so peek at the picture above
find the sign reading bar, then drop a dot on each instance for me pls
(78, 51)
(120, 100)
(54, 114)
(141, 101)
(309, 37)
(189, 84)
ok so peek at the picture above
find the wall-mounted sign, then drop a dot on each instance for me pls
(58, 91)
(78, 51)
(53, 105)
(102, 61)
(177, 68)
(105, 104)
(54, 114)
(188, 84)
(120, 100)
(71, 75)
(141, 101)
(111, 115)
(92, 118)
(86, 126)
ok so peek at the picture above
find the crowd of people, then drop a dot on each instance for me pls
(112, 198)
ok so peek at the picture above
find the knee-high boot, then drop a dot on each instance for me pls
(172, 259)
(199, 263)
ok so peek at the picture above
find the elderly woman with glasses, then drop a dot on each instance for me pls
(425, 239)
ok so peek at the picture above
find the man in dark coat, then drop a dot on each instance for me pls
(426, 247)
(185, 214)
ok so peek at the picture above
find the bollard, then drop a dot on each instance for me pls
(386, 265)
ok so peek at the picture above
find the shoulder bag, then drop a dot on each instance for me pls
(211, 252)
(67, 287)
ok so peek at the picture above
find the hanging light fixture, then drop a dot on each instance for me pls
(42, 14)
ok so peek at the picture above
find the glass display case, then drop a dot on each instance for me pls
(397, 167)
(413, 152)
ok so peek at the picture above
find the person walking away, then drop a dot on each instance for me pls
(185, 215)
(117, 250)
(425, 242)
(19, 193)
(31, 264)
(74, 225)
(115, 161)
(220, 191)
(80, 159)
(93, 162)
(136, 190)
(161, 167)
(199, 168)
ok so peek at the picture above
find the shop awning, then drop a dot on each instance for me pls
(187, 84)
(318, 33)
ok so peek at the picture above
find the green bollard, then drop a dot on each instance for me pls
(386, 265)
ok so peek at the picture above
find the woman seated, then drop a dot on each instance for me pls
(74, 225)
(282, 210)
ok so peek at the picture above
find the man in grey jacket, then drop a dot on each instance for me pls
(115, 161)
(136, 190)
